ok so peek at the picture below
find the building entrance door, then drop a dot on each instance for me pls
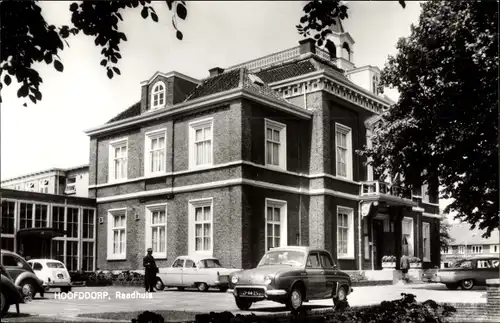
(378, 236)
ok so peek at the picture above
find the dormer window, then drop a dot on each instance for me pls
(158, 95)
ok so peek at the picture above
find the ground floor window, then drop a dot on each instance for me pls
(426, 235)
(201, 226)
(477, 249)
(345, 232)
(8, 243)
(58, 250)
(117, 232)
(408, 236)
(88, 256)
(276, 224)
(72, 255)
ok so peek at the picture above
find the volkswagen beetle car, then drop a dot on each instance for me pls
(469, 272)
(10, 294)
(291, 276)
(22, 274)
(53, 273)
(194, 271)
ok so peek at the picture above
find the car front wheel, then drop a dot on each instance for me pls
(295, 299)
(243, 305)
(4, 304)
(202, 287)
(159, 285)
(340, 298)
(467, 284)
(28, 287)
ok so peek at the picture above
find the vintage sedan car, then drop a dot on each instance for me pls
(22, 274)
(194, 271)
(10, 294)
(467, 273)
(291, 276)
(53, 274)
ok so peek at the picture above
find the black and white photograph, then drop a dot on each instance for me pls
(249, 161)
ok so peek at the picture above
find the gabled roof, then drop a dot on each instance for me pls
(461, 234)
(132, 111)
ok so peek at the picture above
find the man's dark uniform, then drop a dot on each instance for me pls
(150, 271)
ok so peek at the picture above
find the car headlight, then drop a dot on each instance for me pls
(268, 280)
(234, 279)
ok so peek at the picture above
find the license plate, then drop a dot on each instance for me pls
(251, 292)
(60, 276)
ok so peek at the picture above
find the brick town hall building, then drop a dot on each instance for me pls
(257, 155)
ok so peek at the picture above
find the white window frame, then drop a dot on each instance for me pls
(70, 185)
(110, 228)
(47, 219)
(111, 170)
(149, 136)
(193, 126)
(149, 226)
(193, 204)
(16, 222)
(426, 239)
(350, 233)
(411, 243)
(461, 249)
(425, 193)
(348, 132)
(43, 188)
(283, 206)
(477, 249)
(446, 250)
(154, 92)
(282, 152)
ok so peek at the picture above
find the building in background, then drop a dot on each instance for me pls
(48, 215)
(72, 181)
(467, 243)
(261, 154)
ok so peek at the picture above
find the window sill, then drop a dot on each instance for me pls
(346, 179)
(201, 167)
(155, 174)
(118, 181)
(275, 167)
(345, 258)
(118, 257)
(160, 256)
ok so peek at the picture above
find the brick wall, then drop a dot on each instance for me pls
(493, 299)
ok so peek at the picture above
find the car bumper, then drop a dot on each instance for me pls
(268, 294)
(50, 285)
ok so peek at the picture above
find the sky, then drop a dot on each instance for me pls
(224, 33)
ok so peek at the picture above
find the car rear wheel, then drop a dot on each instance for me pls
(243, 304)
(4, 304)
(202, 287)
(159, 285)
(452, 286)
(467, 284)
(295, 299)
(28, 287)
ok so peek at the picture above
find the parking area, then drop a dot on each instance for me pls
(129, 299)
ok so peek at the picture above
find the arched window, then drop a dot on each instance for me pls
(332, 49)
(346, 51)
(158, 95)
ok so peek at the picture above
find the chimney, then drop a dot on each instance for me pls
(307, 46)
(215, 71)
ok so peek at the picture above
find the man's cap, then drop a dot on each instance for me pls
(150, 249)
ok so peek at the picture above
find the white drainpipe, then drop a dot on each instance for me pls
(360, 260)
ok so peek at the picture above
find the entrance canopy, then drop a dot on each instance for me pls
(380, 192)
(48, 233)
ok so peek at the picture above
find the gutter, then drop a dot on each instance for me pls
(360, 254)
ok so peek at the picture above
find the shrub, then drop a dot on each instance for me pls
(389, 259)
(149, 317)
(414, 259)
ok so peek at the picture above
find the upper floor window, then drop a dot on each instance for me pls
(275, 144)
(158, 95)
(44, 186)
(201, 143)
(445, 250)
(477, 249)
(461, 249)
(343, 145)
(118, 160)
(30, 187)
(70, 185)
(155, 160)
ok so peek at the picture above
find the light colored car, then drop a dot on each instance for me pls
(470, 272)
(53, 273)
(291, 276)
(22, 274)
(194, 271)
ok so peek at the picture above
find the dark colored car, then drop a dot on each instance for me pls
(10, 293)
(291, 276)
(22, 274)
(469, 272)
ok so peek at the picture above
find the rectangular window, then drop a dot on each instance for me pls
(8, 212)
(201, 226)
(8, 243)
(43, 186)
(117, 234)
(25, 215)
(461, 249)
(276, 224)
(445, 250)
(88, 256)
(345, 232)
(343, 149)
(156, 230)
(200, 143)
(426, 235)
(70, 185)
(477, 249)
(72, 255)
(41, 215)
(493, 248)
(72, 222)
(58, 250)
(425, 193)
(275, 144)
(155, 144)
(118, 157)
(30, 187)
(88, 224)
(58, 217)
(408, 236)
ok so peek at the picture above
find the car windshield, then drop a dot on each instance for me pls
(209, 263)
(462, 264)
(283, 257)
(55, 265)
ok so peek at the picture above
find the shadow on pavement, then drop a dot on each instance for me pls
(443, 287)
(279, 309)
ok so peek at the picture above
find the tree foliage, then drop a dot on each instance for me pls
(444, 128)
(444, 233)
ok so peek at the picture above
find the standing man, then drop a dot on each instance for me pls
(405, 264)
(150, 271)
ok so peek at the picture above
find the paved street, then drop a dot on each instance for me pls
(194, 301)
